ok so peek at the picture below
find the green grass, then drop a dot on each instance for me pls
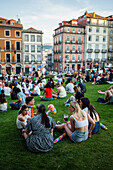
(95, 153)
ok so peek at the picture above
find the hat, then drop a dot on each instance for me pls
(16, 82)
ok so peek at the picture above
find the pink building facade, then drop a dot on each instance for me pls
(68, 46)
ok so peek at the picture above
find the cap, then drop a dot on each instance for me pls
(16, 82)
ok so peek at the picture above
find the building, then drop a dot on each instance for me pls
(110, 40)
(96, 40)
(32, 49)
(11, 59)
(68, 45)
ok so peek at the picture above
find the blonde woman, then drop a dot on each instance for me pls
(61, 92)
(77, 128)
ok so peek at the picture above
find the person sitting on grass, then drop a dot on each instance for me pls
(3, 102)
(90, 109)
(22, 118)
(61, 92)
(48, 93)
(36, 91)
(77, 128)
(41, 128)
(76, 97)
(21, 100)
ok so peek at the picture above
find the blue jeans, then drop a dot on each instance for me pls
(77, 136)
(14, 106)
(34, 94)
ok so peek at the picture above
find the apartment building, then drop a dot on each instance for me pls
(68, 42)
(96, 40)
(110, 40)
(10, 46)
(32, 49)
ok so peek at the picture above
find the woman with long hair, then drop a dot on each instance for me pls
(48, 93)
(77, 128)
(38, 132)
(90, 109)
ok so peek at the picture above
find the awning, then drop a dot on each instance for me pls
(33, 66)
(39, 66)
(26, 66)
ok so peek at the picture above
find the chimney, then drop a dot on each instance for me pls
(19, 21)
(93, 14)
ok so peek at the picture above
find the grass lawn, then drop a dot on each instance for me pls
(95, 153)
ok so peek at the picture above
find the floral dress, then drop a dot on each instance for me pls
(40, 140)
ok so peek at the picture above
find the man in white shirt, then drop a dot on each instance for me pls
(7, 90)
(70, 87)
(36, 91)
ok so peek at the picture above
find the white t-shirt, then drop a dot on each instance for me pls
(70, 88)
(21, 124)
(3, 106)
(37, 90)
(7, 91)
(62, 92)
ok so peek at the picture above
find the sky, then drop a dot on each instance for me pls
(45, 15)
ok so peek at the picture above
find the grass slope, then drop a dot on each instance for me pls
(95, 153)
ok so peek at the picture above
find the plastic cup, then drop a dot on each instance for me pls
(65, 118)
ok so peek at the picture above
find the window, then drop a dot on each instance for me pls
(32, 48)
(7, 47)
(67, 48)
(33, 38)
(79, 39)
(73, 48)
(17, 34)
(79, 48)
(111, 39)
(73, 67)
(79, 57)
(90, 29)
(104, 30)
(26, 48)
(26, 37)
(97, 29)
(97, 46)
(2, 22)
(89, 46)
(79, 30)
(68, 39)
(67, 57)
(89, 56)
(103, 46)
(73, 30)
(73, 39)
(97, 38)
(7, 33)
(90, 38)
(8, 58)
(38, 48)
(73, 57)
(26, 58)
(39, 58)
(18, 57)
(96, 56)
(104, 39)
(32, 58)
(68, 29)
(17, 45)
(103, 55)
(111, 31)
(38, 38)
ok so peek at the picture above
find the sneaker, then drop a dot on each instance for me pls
(58, 122)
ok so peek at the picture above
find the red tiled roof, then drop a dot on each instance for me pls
(32, 29)
(7, 23)
(3, 19)
(93, 15)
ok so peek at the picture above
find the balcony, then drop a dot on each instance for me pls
(110, 50)
(89, 50)
(89, 60)
(79, 42)
(96, 60)
(78, 51)
(103, 60)
(67, 42)
(97, 51)
(67, 51)
(110, 58)
(104, 51)
(73, 42)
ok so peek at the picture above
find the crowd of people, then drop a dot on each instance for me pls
(38, 130)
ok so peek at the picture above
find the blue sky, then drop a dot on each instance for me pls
(45, 15)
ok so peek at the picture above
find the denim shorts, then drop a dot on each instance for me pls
(96, 128)
(46, 99)
(61, 97)
(77, 136)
